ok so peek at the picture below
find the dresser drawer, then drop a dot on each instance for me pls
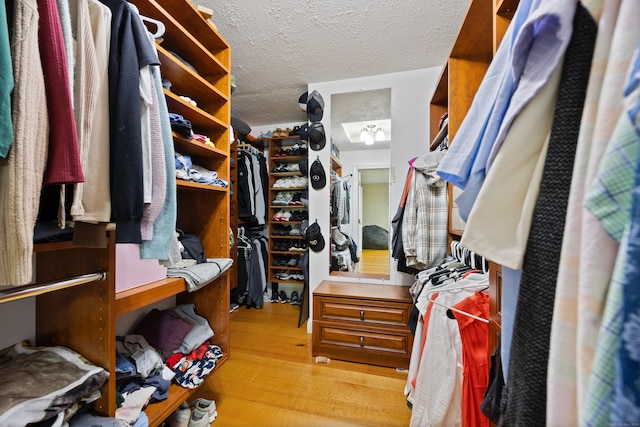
(364, 345)
(361, 311)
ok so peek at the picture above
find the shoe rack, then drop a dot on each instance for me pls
(286, 210)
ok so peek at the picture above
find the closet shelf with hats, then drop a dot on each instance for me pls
(288, 199)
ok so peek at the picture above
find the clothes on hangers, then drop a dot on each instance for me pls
(424, 229)
(252, 187)
(435, 383)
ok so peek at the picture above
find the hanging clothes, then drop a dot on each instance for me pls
(20, 191)
(435, 382)
(129, 52)
(424, 229)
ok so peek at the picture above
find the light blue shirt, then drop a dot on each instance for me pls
(625, 404)
(524, 62)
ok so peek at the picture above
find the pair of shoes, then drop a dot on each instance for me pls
(282, 297)
(283, 198)
(281, 133)
(281, 275)
(274, 296)
(281, 230)
(281, 215)
(296, 276)
(180, 417)
(265, 135)
(294, 298)
(280, 167)
(298, 216)
(207, 407)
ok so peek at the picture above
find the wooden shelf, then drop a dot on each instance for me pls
(197, 186)
(202, 122)
(141, 296)
(209, 55)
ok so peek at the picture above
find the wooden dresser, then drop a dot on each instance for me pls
(360, 322)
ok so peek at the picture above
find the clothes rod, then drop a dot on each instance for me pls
(26, 291)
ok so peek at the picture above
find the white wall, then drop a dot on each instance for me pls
(375, 206)
(410, 95)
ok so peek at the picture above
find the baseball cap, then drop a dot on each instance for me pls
(315, 106)
(317, 175)
(302, 101)
(303, 164)
(314, 238)
(304, 132)
(317, 138)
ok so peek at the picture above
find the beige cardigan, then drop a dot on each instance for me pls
(21, 173)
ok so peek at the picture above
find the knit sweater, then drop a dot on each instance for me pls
(22, 172)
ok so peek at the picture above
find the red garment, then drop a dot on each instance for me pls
(474, 335)
(63, 161)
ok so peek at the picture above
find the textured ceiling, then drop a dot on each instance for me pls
(280, 46)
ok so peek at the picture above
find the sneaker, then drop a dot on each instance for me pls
(282, 297)
(293, 167)
(294, 298)
(295, 231)
(199, 418)
(285, 216)
(180, 417)
(206, 405)
(280, 199)
(274, 296)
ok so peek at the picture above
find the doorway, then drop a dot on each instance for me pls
(373, 221)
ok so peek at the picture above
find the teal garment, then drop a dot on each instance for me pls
(597, 408)
(6, 84)
(609, 197)
(165, 225)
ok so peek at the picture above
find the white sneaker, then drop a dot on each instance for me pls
(206, 405)
(199, 418)
(180, 417)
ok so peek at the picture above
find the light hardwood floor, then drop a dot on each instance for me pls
(271, 379)
(374, 261)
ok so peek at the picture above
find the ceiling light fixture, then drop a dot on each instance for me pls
(370, 134)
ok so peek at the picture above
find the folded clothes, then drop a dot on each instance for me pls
(199, 275)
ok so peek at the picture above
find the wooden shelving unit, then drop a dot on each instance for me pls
(276, 145)
(84, 317)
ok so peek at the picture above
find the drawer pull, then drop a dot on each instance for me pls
(361, 341)
(361, 314)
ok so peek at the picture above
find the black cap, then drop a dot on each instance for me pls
(317, 175)
(313, 236)
(302, 101)
(315, 106)
(303, 164)
(304, 132)
(317, 138)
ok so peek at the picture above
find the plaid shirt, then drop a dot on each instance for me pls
(424, 228)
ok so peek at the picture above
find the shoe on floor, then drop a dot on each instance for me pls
(199, 418)
(294, 298)
(282, 297)
(180, 417)
(206, 405)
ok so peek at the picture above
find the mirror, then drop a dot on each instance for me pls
(361, 160)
